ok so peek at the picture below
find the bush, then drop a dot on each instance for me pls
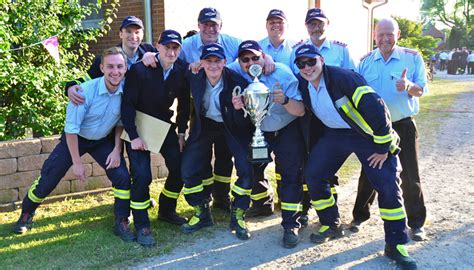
(31, 83)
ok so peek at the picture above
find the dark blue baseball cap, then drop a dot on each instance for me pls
(131, 20)
(213, 49)
(209, 14)
(276, 13)
(306, 50)
(169, 36)
(251, 46)
(316, 14)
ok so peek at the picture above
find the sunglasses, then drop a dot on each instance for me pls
(247, 59)
(310, 62)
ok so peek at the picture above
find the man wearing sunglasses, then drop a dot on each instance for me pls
(282, 133)
(353, 119)
(335, 53)
(215, 117)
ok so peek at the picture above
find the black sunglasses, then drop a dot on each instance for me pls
(247, 59)
(310, 62)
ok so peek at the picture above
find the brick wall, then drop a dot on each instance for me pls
(21, 162)
(135, 8)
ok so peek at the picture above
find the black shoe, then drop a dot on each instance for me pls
(418, 234)
(260, 211)
(290, 238)
(145, 238)
(355, 225)
(223, 204)
(171, 217)
(237, 223)
(122, 230)
(326, 233)
(202, 218)
(304, 220)
(24, 223)
(400, 255)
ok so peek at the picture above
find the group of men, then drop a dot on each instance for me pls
(325, 108)
(457, 61)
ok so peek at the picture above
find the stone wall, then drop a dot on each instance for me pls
(21, 162)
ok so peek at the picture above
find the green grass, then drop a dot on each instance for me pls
(77, 233)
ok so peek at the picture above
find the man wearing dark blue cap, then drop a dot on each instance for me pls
(214, 117)
(282, 133)
(131, 35)
(352, 119)
(335, 53)
(152, 91)
(276, 44)
(210, 24)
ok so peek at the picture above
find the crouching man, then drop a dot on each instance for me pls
(356, 120)
(214, 116)
(87, 130)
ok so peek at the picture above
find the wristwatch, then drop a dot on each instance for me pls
(287, 99)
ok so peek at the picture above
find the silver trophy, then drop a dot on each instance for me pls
(257, 104)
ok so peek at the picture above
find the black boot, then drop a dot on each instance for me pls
(202, 218)
(24, 223)
(122, 229)
(167, 211)
(237, 223)
(290, 238)
(326, 233)
(400, 255)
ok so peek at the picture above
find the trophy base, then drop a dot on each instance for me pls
(259, 154)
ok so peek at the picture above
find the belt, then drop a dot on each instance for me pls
(404, 120)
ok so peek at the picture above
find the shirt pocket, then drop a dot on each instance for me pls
(371, 78)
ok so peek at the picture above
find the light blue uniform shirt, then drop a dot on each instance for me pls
(98, 115)
(335, 54)
(381, 75)
(211, 103)
(282, 54)
(166, 72)
(192, 47)
(323, 106)
(279, 116)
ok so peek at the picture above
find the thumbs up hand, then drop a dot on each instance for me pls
(403, 84)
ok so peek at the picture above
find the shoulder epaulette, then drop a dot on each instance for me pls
(298, 44)
(410, 51)
(342, 44)
(365, 56)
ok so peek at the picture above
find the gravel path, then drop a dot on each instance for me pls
(448, 177)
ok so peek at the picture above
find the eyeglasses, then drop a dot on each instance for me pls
(247, 59)
(310, 62)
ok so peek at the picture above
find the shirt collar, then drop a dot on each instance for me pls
(103, 88)
(395, 54)
(200, 44)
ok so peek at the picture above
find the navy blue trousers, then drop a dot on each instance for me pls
(140, 169)
(195, 160)
(287, 145)
(59, 162)
(325, 159)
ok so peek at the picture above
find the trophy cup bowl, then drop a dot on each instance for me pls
(257, 99)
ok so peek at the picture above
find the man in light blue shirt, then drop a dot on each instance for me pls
(283, 135)
(398, 75)
(210, 25)
(87, 131)
(276, 44)
(335, 53)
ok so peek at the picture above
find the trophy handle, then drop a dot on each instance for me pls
(238, 92)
